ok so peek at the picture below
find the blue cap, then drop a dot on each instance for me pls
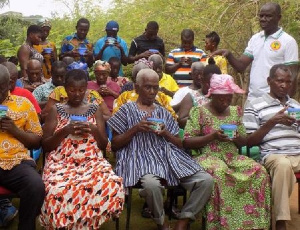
(112, 25)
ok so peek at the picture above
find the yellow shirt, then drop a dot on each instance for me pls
(22, 112)
(168, 82)
(132, 96)
(59, 94)
(47, 65)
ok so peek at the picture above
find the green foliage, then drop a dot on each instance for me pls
(234, 20)
(12, 32)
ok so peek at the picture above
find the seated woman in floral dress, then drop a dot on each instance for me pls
(241, 194)
(82, 191)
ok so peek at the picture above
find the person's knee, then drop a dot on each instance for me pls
(205, 180)
(283, 165)
(35, 186)
(152, 188)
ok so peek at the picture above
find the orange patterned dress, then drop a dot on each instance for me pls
(82, 191)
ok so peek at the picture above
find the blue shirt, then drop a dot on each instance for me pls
(19, 83)
(111, 51)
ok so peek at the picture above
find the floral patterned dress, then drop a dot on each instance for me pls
(241, 194)
(82, 191)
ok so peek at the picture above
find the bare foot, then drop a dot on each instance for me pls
(280, 225)
(182, 224)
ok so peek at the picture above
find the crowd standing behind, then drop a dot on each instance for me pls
(88, 113)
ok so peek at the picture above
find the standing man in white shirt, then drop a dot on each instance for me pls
(268, 47)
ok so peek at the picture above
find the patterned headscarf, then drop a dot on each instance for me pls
(223, 84)
(102, 66)
(44, 23)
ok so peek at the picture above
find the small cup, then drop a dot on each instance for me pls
(229, 130)
(153, 50)
(111, 41)
(3, 110)
(157, 123)
(75, 118)
(47, 50)
(294, 112)
(82, 50)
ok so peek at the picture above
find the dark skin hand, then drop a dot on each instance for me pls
(53, 55)
(170, 69)
(167, 92)
(32, 87)
(52, 139)
(30, 140)
(74, 54)
(239, 64)
(279, 118)
(201, 141)
(146, 54)
(120, 140)
(105, 91)
(116, 44)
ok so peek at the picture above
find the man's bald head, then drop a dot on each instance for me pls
(12, 68)
(156, 59)
(34, 70)
(4, 74)
(146, 74)
(34, 64)
(273, 5)
(13, 74)
(197, 66)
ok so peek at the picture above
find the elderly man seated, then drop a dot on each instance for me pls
(277, 133)
(20, 130)
(148, 151)
(34, 75)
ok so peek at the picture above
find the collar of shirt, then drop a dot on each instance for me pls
(271, 100)
(76, 37)
(192, 49)
(275, 35)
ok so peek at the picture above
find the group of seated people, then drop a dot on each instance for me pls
(160, 133)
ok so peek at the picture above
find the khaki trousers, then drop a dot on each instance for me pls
(281, 168)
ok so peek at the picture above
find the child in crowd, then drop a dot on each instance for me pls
(212, 41)
(115, 65)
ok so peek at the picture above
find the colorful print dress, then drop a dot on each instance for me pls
(241, 194)
(82, 191)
